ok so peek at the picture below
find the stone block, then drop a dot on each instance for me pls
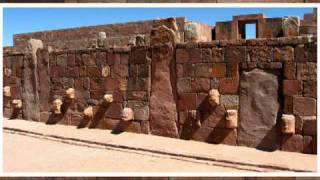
(83, 71)
(62, 60)
(113, 58)
(290, 70)
(309, 125)
(183, 85)
(88, 59)
(230, 101)
(182, 55)
(304, 106)
(137, 95)
(179, 70)
(204, 70)
(229, 86)
(218, 54)
(235, 54)
(219, 70)
(195, 55)
(307, 145)
(260, 53)
(310, 88)
(189, 69)
(232, 70)
(141, 113)
(71, 72)
(206, 55)
(71, 59)
(298, 124)
(292, 87)
(307, 52)
(214, 117)
(232, 119)
(93, 71)
(307, 71)
(200, 85)
(284, 54)
(292, 143)
(187, 101)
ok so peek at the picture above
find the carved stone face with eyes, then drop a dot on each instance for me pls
(70, 93)
(214, 97)
(127, 114)
(232, 118)
(56, 106)
(288, 124)
(7, 91)
(17, 103)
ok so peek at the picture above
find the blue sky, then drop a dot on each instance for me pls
(23, 20)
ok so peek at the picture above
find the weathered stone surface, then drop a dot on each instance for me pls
(292, 87)
(259, 110)
(230, 101)
(191, 31)
(292, 143)
(290, 26)
(288, 124)
(307, 71)
(310, 88)
(307, 144)
(309, 125)
(304, 106)
(163, 111)
(283, 54)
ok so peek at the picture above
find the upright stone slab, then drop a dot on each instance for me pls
(30, 82)
(259, 108)
(163, 112)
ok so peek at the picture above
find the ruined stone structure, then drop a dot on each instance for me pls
(173, 78)
(161, 1)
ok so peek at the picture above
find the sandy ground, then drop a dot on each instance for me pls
(32, 146)
(27, 154)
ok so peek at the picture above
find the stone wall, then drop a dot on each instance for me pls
(170, 1)
(284, 82)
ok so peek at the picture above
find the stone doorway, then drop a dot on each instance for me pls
(259, 109)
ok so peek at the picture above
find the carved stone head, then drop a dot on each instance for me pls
(108, 98)
(7, 91)
(140, 40)
(288, 124)
(232, 118)
(56, 106)
(127, 114)
(88, 112)
(17, 104)
(214, 97)
(70, 93)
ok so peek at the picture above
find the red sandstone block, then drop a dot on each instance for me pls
(195, 55)
(137, 95)
(309, 125)
(182, 55)
(235, 54)
(292, 143)
(78, 59)
(214, 118)
(219, 70)
(310, 88)
(304, 106)
(138, 84)
(72, 72)
(285, 53)
(101, 58)
(292, 87)
(183, 85)
(229, 86)
(93, 71)
(200, 85)
(216, 135)
(71, 59)
(307, 145)
(217, 54)
(290, 69)
(118, 96)
(189, 69)
(140, 56)
(111, 84)
(113, 58)
(119, 71)
(62, 60)
(96, 84)
(204, 70)
(144, 70)
(305, 53)
(232, 69)
(96, 94)
(259, 53)
(82, 71)
(187, 101)
(56, 71)
(124, 58)
(307, 71)
(206, 55)
(88, 59)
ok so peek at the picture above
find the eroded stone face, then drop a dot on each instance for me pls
(7, 91)
(259, 108)
(56, 106)
(288, 124)
(214, 97)
(107, 99)
(88, 112)
(140, 40)
(7, 72)
(127, 114)
(101, 38)
(17, 103)
(232, 119)
(70, 93)
(290, 26)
